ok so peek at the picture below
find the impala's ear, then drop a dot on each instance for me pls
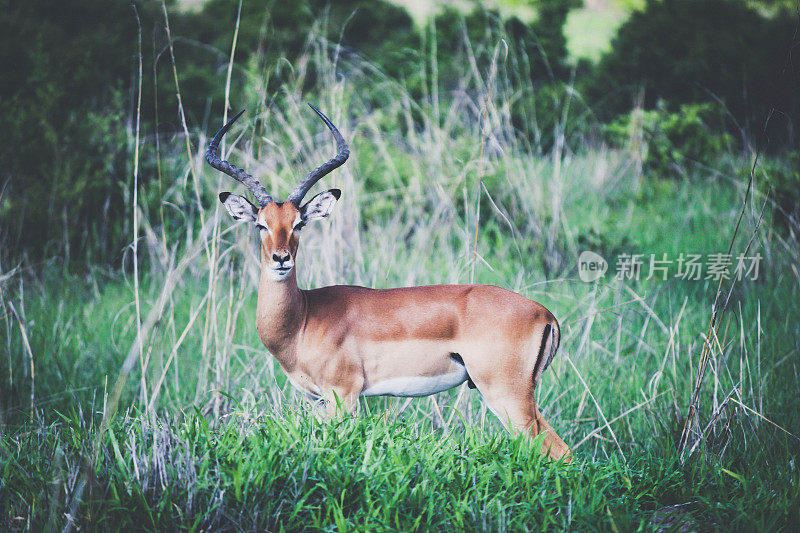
(320, 206)
(238, 206)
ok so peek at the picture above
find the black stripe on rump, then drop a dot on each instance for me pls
(538, 369)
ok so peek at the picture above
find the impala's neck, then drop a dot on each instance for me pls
(280, 315)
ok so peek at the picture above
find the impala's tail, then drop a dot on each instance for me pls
(551, 338)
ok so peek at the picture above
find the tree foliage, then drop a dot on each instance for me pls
(682, 51)
(66, 68)
(69, 85)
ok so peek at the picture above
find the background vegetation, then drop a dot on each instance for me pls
(134, 390)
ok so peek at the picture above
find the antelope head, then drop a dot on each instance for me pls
(279, 223)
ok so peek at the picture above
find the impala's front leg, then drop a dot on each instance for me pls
(334, 401)
(341, 382)
(340, 386)
(339, 403)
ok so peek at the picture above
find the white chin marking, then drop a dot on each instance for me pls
(279, 275)
(416, 385)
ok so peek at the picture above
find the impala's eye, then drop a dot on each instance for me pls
(261, 227)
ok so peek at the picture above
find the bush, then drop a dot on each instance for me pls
(783, 177)
(672, 141)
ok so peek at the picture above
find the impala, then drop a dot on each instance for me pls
(339, 343)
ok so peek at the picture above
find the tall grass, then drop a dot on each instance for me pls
(154, 403)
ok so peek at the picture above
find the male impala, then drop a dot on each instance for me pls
(342, 342)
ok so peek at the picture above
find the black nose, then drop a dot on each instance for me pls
(281, 258)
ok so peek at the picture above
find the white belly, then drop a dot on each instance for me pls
(416, 385)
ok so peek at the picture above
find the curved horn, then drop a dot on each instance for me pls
(239, 174)
(315, 175)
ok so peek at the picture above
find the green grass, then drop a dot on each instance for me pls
(208, 434)
(282, 471)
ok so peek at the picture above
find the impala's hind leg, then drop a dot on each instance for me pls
(506, 375)
(554, 444)
(517, 410)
